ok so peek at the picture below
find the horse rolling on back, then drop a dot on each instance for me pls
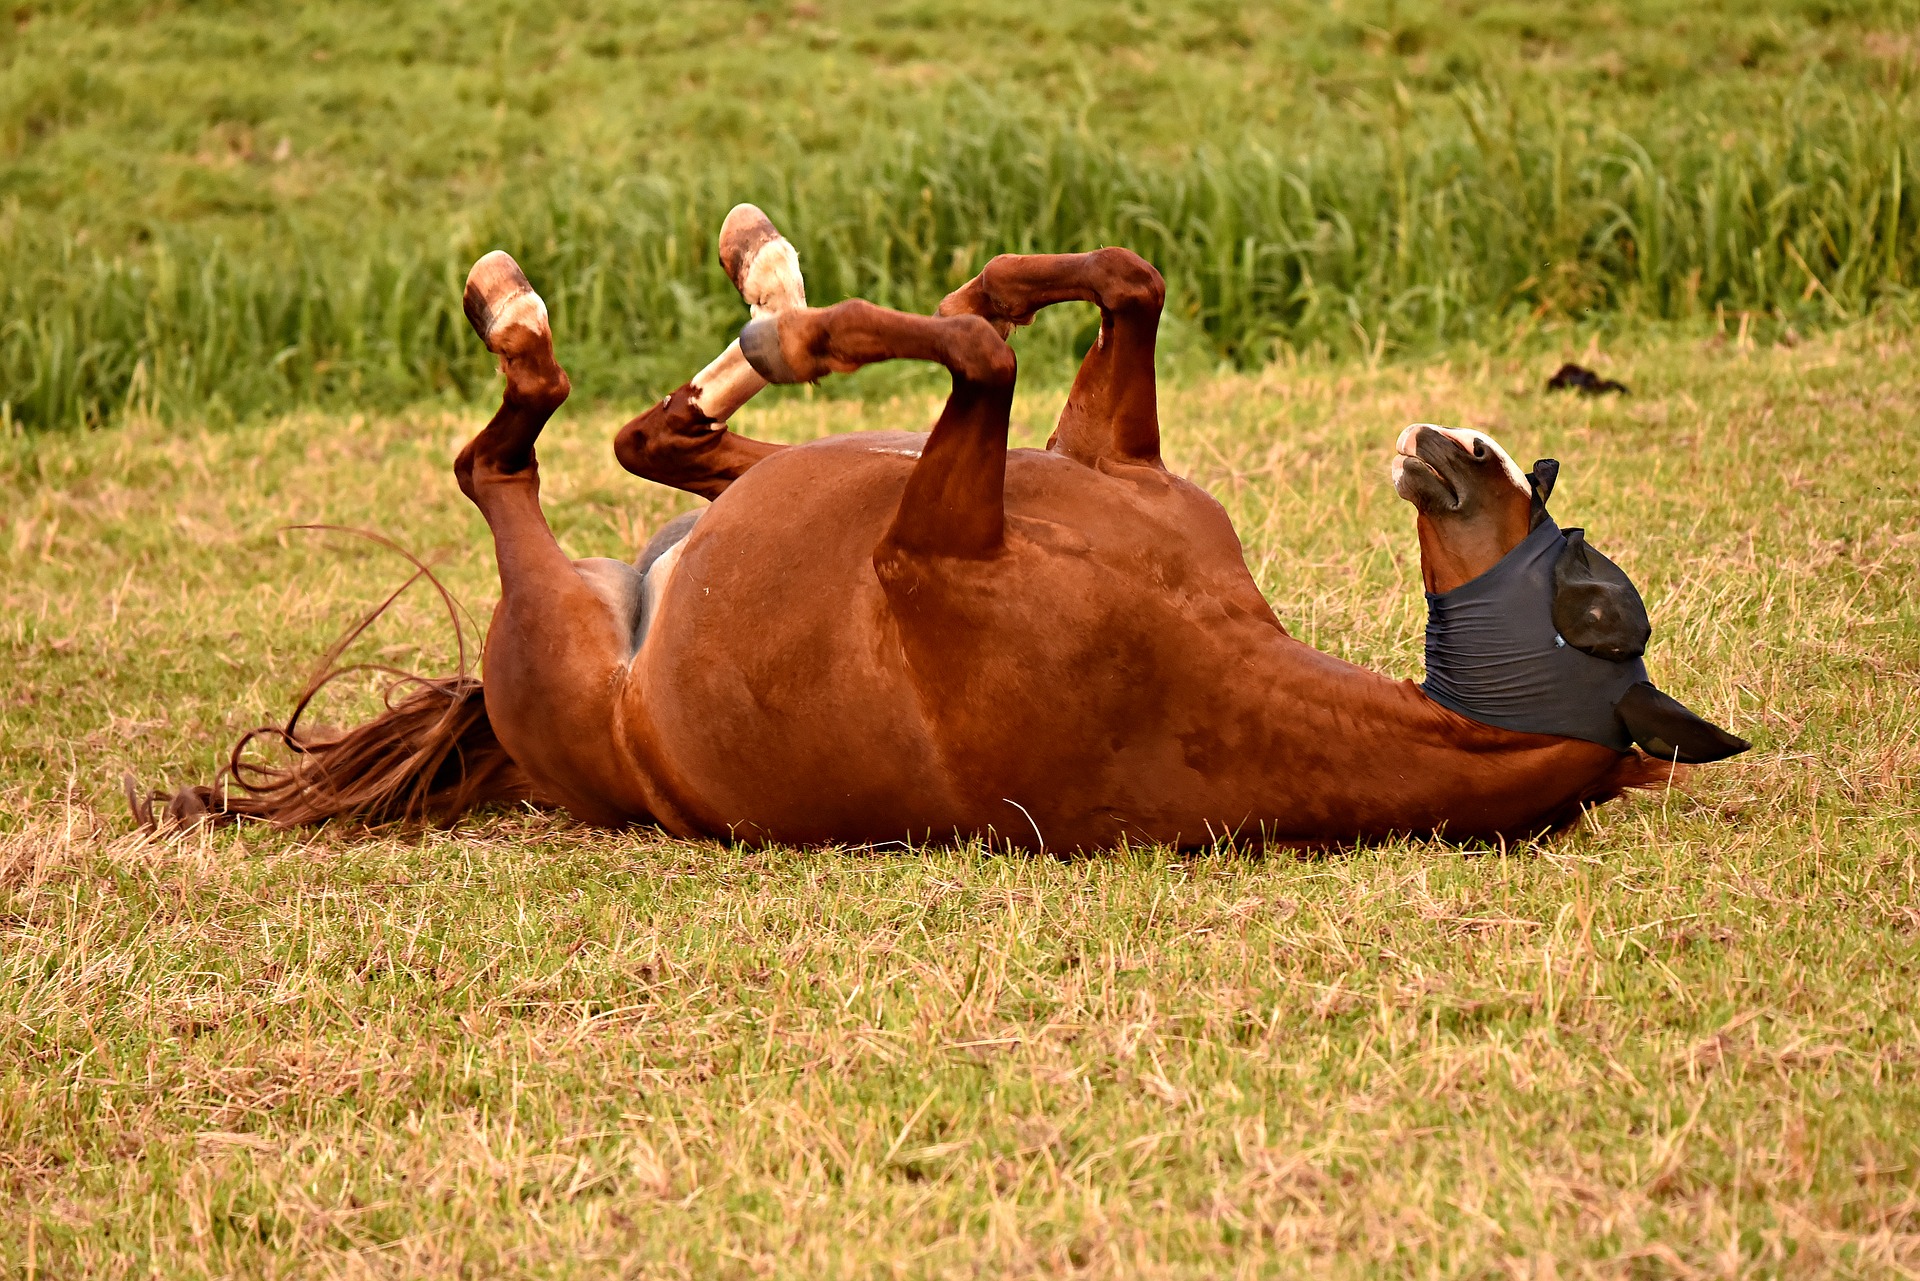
(913, 636)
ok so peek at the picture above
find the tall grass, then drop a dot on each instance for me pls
(1479, 225)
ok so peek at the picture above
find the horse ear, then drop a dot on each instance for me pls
(1540, 480)
(1665, 729)
(1596, 608)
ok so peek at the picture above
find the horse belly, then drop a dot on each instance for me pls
(1066, 693)
(773, 692)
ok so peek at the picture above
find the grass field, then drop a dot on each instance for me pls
(219, 211)
(1679, 1041)
(1682, 1040)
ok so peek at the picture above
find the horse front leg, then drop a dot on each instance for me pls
(561, 637)
(1112, 413)
(684, 440)
(955, 500)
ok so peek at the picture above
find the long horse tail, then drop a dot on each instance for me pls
(430, 756)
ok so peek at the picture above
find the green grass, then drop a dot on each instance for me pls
(1679, 1041)
(222, 211)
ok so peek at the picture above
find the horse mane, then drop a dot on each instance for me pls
(430, 756)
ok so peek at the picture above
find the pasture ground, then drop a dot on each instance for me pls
(1678, 1041)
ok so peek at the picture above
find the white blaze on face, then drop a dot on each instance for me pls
(1403, 450)
(1465, 437)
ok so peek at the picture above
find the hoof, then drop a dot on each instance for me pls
(760, 344)
(761, 263)
(502, 307)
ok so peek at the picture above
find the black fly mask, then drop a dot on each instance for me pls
(1549, 641)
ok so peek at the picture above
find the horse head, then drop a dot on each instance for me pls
(1528, 627)
(1475, 505)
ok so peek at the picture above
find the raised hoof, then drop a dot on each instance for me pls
(760, 344)
(761, 263)
(502, 307)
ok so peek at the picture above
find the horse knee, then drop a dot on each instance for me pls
(1128, 281)
(536, 382)
(976, 352)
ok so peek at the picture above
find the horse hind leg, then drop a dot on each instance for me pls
(683, 440)
(443, 746)
(1112, 413)
(561, 638)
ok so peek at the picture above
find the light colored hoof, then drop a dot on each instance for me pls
(499, 301)
(761, 263)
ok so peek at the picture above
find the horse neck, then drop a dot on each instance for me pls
(1357, 752)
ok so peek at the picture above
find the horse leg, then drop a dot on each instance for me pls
(954, 503)
(560, 640)
(1111, 414)
(684, 441)
(677, 443)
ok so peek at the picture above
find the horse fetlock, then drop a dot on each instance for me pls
(480, 465)
(535, 381)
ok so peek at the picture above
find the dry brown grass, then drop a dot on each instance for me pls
(1680, 1041)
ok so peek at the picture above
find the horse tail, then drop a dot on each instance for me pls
(430, 756)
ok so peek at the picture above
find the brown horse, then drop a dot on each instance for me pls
(920, 636)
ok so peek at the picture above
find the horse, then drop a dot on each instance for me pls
(915, 636)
